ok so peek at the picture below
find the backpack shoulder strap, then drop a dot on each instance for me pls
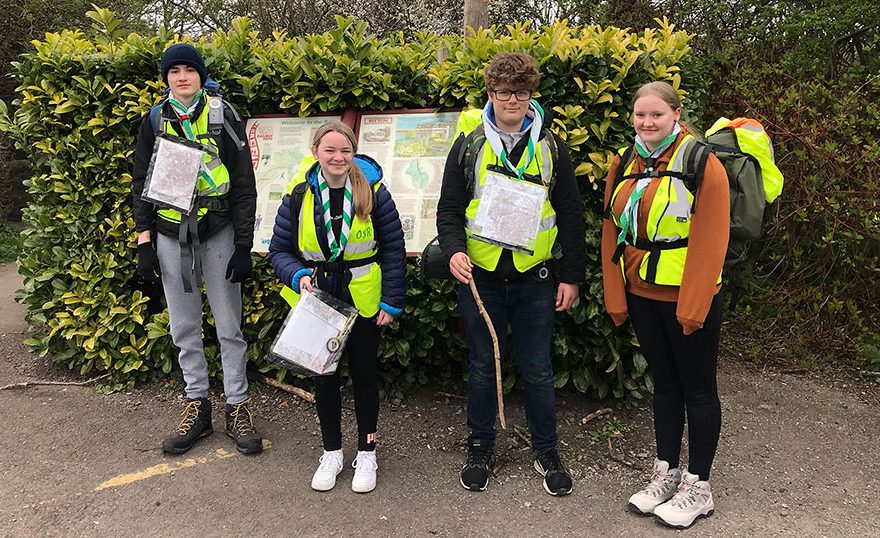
(695, 158)
(550, 140)
(156, 115)
(297, 196)
(625, 159)
(467, 155)
(296, 202)
(227, 126)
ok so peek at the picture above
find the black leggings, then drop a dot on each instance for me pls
(684, 369)
(362, 367)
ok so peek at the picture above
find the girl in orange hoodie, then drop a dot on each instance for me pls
(663, 250)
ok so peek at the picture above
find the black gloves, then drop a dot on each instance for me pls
(148, 263)
(240, 265)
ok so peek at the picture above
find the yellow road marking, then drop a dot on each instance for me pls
(167, 468)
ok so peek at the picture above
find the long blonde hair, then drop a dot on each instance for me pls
(361, 191)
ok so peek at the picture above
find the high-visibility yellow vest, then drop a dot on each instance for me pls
(486, 255)
(468, 120)
(300, 175)
(212, 161)
(751, 138)
(669, 221)
(366, 280)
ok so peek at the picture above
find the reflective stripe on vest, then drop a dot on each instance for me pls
(669, 219)
(365, 286)
(486, 255)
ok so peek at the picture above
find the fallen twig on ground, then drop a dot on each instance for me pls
(604, 412)
(24, 384)
(296, 391)
(869, 372)
(450, 395)
(620, 459)
(522, 434)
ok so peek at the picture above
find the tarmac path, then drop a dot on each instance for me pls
(799, 456)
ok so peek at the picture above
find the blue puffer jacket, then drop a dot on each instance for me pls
(389, 236)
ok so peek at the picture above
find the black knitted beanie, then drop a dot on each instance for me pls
(186, 54)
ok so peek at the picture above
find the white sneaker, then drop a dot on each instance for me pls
(661, 488)
(330, 466)
(692, 500)
(365, 466)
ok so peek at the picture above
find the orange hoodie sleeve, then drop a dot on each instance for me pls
(614, 288)
(707, 246)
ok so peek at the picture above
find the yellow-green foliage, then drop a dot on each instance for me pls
(80, 104)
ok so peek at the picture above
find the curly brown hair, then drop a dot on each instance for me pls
(513, 71)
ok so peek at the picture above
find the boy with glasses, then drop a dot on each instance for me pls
(520, 285)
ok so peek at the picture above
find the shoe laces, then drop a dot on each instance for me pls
(686, 495)
(551, 461)
(190, 415)
(329, 461)
(365, 461)
(658, 484)
(478, 457)
(242, 422)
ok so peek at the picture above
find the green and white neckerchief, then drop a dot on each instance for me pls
(184, 117)
(629, 217)
(337, 245)
(536, 113)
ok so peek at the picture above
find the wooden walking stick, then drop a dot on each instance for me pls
(495, 349)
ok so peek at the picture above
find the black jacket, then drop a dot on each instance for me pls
(565, 199)
(242, 192)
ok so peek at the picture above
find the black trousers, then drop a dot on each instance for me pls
(684, 370)
(360, 349)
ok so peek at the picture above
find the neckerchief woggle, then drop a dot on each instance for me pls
(536, 113)
(184, 115)
(629, 216)
(337, 245)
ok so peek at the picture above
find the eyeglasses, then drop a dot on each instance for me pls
(505, 95)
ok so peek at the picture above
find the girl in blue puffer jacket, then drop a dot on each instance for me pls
(346, 239)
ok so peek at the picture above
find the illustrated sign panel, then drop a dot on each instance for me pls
(411, 147)
(278, 146)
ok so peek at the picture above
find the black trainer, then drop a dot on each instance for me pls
(480, 462)
(194, 424)
(240, 426)
(557, 479)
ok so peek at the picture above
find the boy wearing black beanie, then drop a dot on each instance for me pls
(210, 246)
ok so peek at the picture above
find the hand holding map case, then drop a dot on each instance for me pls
(173, 174)
(314, 334)
(510, 213)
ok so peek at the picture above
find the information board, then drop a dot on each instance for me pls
(277, 146)
(411, 147)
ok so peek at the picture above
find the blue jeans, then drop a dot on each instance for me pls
(528, 305)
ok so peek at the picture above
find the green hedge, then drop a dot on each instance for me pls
(81, 99)
(813, 295)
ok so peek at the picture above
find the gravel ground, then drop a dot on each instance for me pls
(798, 456)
